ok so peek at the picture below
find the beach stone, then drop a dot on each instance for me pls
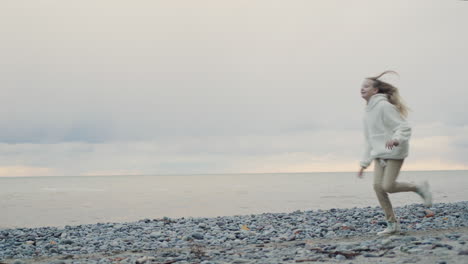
(197, 236)
(145, 259)
(240, 261)
(408, 239)
(415, 250)
(114, 243)
(411, 260)
(336, 226)
(427, 247)
(386, 242)
(67, 241)
(382, 223)
(440, 252)
(155, 234)
(443, 246)
(104, 261)
(340, 257)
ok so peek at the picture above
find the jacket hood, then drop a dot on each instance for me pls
(375, 99)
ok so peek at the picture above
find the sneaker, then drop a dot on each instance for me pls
(425, 193)
(392, 228)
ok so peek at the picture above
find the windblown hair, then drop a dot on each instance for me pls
(391, 91)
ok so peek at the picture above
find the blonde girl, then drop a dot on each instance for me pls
(387, 135)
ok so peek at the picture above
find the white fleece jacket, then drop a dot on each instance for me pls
(383, 122)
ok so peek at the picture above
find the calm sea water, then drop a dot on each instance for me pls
(59, 201)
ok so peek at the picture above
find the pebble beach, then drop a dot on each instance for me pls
(429, 235)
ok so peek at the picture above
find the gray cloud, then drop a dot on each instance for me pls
(230, 81)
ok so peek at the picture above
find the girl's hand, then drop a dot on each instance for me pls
(361, 172)
(391, 143)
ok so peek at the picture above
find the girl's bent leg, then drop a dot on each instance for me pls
(389, 184)
(382, 196)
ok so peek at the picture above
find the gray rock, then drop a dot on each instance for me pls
(197, 236)
(67, 242)
(240, 261)
(336, 226)
(415, 250)
(145, 259)
(155, 234)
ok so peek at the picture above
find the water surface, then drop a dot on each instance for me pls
(59, 201)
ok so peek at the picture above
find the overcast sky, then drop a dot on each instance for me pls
(171, 87)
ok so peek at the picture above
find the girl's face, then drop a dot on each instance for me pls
(367, 89)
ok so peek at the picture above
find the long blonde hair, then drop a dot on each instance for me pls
(391, 91)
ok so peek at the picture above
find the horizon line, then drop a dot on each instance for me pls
(213, 173)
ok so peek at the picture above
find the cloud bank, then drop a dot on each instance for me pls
(215, 87)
